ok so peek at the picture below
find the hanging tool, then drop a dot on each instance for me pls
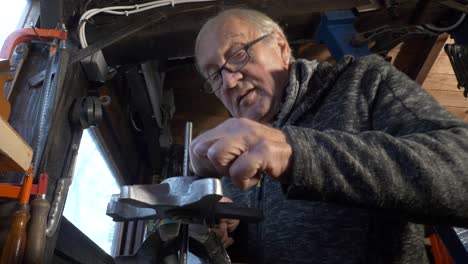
(184, 229)
(15, 38)
(27, 34)
(49, 87)
(52, 87)
(458, 56)
(46, 111)
(11, 42)
(13, 191)
(84, 113)
(60, 195)
(35, 246)
(13, 249)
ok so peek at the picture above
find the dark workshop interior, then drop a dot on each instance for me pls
(123, 82)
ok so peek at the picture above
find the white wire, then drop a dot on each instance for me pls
(90, 13)
(126, 11)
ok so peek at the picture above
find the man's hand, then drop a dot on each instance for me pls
(225, 227)
(242, 149)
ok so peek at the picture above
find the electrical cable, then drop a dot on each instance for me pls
(126, 11)
(445, 29)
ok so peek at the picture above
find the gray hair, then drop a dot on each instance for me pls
(261, 22)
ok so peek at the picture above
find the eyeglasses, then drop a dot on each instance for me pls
(233, 64)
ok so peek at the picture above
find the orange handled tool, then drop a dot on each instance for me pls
(14, 245)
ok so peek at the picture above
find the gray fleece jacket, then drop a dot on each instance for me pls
(374, 157)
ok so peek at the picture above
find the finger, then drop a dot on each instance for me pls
(222, 152)
(232, 224)
(228, 242)
(225, 199)
(218, 232)
(224, 237)
(221, 230)
(199, 161)
(202, 166)
(200, 146)
(245, 170)
(220, 131)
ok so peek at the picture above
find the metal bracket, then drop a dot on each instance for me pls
(188, 198)
(86, 112)
(188, 192)
(27, 34)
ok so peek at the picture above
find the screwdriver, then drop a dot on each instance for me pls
(15, 241)
(36, 241)
(184, 228)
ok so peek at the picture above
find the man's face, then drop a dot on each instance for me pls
(257, 90)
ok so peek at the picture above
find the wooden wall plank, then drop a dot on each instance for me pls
(442, 65)
(460, 112)
(418, 54)
(441, 81)
(15, 153)
(449, 98)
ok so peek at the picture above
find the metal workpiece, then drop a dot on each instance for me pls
(60, 195)
(165, 200)
(161, 201)
(122, 212)
(58, 204)
(188, 191)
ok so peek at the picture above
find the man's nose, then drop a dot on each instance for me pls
(230, 79)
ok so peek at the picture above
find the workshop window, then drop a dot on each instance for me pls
(91, 189)
(11, 17)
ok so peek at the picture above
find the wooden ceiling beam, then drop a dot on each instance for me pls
(184, 21)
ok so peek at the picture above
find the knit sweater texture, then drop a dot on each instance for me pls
(374, 158)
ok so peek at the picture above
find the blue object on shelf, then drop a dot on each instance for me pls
(336, 30)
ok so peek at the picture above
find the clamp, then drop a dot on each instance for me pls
(27, 34)
(190, 199)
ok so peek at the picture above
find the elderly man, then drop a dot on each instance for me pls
(345, 160)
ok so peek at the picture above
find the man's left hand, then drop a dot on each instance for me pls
(242, 149)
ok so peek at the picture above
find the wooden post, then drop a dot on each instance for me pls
(418, 54)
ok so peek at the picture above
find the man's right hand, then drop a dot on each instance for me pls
(225, 227)
(241, 149)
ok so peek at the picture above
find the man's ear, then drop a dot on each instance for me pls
(283, 45)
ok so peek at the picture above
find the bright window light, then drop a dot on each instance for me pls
(91, 189)
(10, 15)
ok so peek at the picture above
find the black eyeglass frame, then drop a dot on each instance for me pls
(207, 88)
